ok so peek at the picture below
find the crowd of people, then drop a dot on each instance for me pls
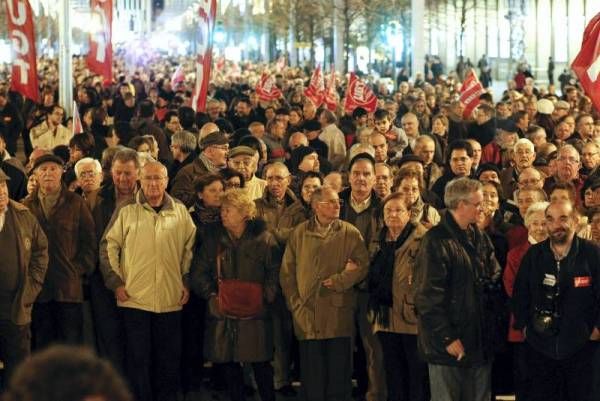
(423, 253)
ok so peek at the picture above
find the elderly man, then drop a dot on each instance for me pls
(22, 267)
(69, 226)
(590, 157)
(118, 189)
(568, 163)
(333, 138)
(277, 195)
(324, 259)
(89, 176)
(410, 125)
(243, 159)
(384, 180)
(425, 148)
(145, 256)
(523, 158)
(454, 268)
(584, 126)
(51, 132)
(214, 148)
(380, 145)
(183, 150)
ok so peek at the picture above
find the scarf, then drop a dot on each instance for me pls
(381, 275)
(206, 215)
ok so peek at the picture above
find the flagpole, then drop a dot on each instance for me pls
(65, 62)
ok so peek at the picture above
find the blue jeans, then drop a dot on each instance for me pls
(452, 383)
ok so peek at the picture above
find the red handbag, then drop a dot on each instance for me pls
(238, 299)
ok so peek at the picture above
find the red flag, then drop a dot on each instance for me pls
(358, 94)
(470, 91)
(77, 125)
(207, 13)
(266, 88)
(99, 58)
(24, 69)
(331, 96)
(178, 76)
(587, 63)
(316, 88)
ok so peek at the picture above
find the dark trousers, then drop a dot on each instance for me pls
(453, 383)
(15, 345)
(326, 369)
(263, 374)
(108, 325)
(405, 373)
(153, 348)
(569, 379)
(522, 375)
(56, 322)
(193, 338)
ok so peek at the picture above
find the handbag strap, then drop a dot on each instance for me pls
(219, 253)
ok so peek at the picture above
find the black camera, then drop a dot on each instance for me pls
(546, 316)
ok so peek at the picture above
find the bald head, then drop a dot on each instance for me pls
(208, 128)
(298, 139)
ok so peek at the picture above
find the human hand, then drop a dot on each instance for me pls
(213, 307)
(595, 334)
(456, 349)
(350, 266)
(185, 296)
(121, 294)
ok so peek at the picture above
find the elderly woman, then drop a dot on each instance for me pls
(240, 248)
(535, 221)
(409, 184)
(391, 302)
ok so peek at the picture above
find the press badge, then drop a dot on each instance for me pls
(582, 281)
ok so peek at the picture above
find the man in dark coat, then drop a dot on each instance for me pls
(11, 122)
(455, 268)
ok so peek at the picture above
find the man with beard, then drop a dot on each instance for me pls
(556, 298)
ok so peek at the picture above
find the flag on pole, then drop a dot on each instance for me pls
(99, 58)
(266, 89)
(587, 63)
(178, 76)
(21, 32)
(77, 125)
(331, 96)
(470, 91)
(316, 88)
(358, 94)
(207, 12)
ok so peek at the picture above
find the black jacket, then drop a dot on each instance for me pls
(578, 299)
(451, 284)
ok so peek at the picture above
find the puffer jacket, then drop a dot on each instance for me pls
(311, 257)
(149, 253)
(254, 257)
(452, 278)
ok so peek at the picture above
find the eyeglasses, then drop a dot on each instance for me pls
(241, 163)
(221, 147)
(87, 174)
(478, 205)
(572, 160)
(531, 181)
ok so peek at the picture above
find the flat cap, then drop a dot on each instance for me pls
(47, 159)
(214, 138)
(241, 150)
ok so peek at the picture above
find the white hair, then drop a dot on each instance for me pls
(526, 142)
(535, 207)
(87, 160)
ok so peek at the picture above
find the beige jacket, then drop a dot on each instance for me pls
(42, 136)
(311, 257)
(149, 253)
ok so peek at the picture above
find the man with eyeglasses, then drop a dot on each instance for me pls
(590, 157)
(214, 148)
(244, 160)
(324, 259)
(145, 256)
(568, 163)
(459, 162)
(523, 158)
(454, 272)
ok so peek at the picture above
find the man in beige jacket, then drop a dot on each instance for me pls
(145, 255)
(325, 257)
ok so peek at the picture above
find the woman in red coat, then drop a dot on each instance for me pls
(535, 222)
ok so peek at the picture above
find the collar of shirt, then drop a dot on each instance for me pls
(531, 240)
(360, 206)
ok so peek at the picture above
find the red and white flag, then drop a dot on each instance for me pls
(470, 91)
(587, 63)
(316, 88)
(266, 89)
(207, 12)
(178, 76)
(21, 32)
(77, 125)
(331, 96)
(358, 94)
(99, 58)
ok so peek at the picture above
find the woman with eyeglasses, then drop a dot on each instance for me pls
(409, 184)
(391, 300)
